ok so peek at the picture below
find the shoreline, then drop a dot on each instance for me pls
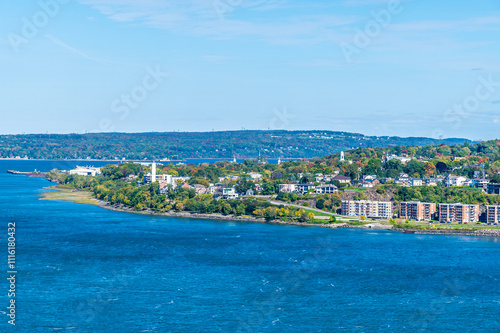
(230, 218)
(245, 218)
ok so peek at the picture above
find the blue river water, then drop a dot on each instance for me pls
(82, 268)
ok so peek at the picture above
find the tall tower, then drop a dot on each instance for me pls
(342, 156)
(153, 172)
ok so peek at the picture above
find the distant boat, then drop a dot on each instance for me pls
(29, 174)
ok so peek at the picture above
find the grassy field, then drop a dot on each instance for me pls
(61, 193)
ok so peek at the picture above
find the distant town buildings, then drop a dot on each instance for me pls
(376, 209)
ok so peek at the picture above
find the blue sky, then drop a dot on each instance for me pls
(407, 68)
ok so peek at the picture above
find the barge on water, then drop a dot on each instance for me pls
(35, 173)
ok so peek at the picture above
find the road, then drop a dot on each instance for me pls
(299, 206)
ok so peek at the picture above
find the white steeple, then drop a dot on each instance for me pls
(153, 172)
(342, 156)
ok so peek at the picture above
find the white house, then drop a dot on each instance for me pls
(417, 182)
(453, 180)
(85, 171)
(255, 175)
(326, 189)
(229, 193)
(403, 160)
(288, 188)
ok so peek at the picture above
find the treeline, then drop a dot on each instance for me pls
(442, 194)
(182, 145)
(119, 191)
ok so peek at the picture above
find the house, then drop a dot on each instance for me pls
(255, 175)
(288, 188)
(342, 179)
(164, 187)
(416, 182)
(387, 180)
(229, 193)
(493, 188)
(250, 193)
(85, 171)
(480, 183)
(177, 180)
(148, 178)
(304, 188)
(432, 181)
(403, 160)
(216, 189)
(453, 180)
(200, 189)
(326, 189)
(403, 179)
(366, 184)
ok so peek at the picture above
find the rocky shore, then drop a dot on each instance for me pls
(119, 208)
(479, 232)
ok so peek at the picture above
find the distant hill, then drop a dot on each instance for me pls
(181, 145)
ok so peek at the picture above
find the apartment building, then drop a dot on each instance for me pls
(493, 214)
(458, 213)
(416, 210)
(367, 208)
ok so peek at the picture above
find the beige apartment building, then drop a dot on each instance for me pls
(458, 213)
(367, 208)
(493, 214)
(419, 211)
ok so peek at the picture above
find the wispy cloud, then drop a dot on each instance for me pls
(60, 43)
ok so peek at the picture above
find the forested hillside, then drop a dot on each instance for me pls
(181, 145)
